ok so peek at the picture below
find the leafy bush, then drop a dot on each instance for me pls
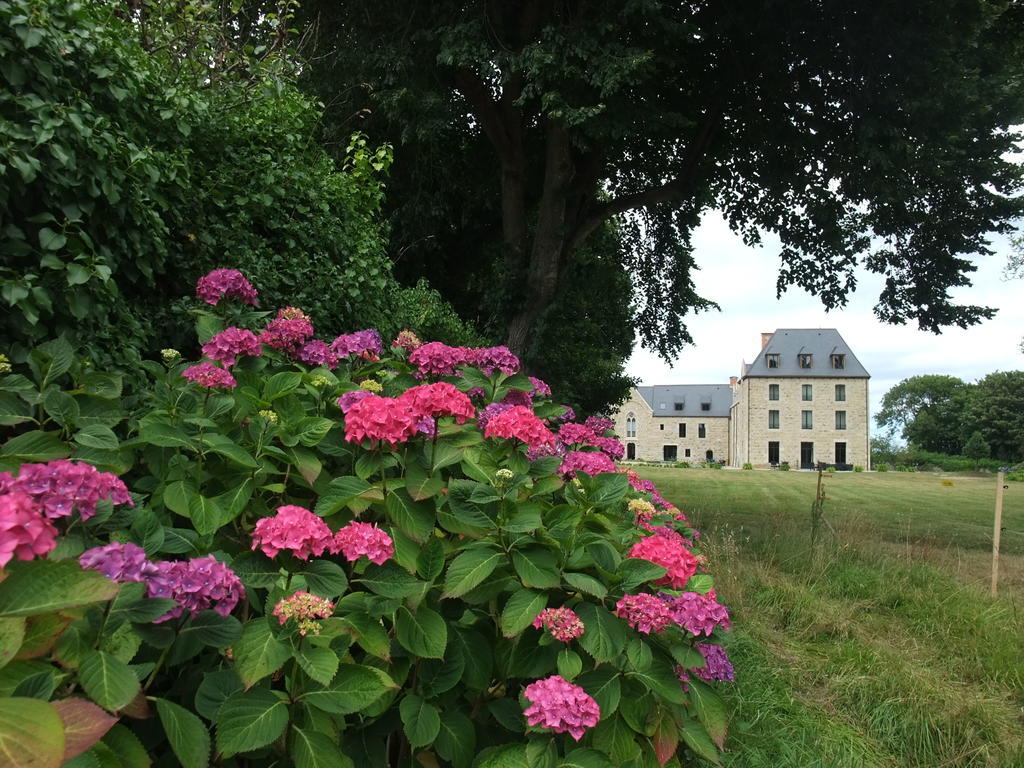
(784, 466)
(882, 467)
(682, 465)
(858, 468)
(830, 468)
(747, 465)
(337, 563)
(1017, 476)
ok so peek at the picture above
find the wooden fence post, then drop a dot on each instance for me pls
(996, 531)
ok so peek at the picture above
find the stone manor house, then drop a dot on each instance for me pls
(804, 399)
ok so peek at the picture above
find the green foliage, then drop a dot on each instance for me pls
(928, 411)
(976, 448)
(144, 149)
(748, 465)
(547, 120)
(997, 412)
(429, 649)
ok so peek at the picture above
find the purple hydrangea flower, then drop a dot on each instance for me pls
(119, 562)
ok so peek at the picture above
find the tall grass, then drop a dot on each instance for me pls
(879, 646)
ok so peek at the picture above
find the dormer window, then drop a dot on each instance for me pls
(677, 406)
(838, 361)
(805, 360)
(705, 406)
(772, 360)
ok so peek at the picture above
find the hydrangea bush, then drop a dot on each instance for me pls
(339, 552)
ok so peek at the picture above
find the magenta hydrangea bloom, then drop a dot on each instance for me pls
(230, 344)
(488, 412)
(197, 585)
(119, 562)
(295, 529)
(540, 387)
(208, 375)
(346, 401)
(598, 425)
(491, 359)
(518, 397)
(304, 609)
(440, 399)
(696, 613)
(576, 434)
(317, 352)
(381, 418)
(520, 423)
(562, 623)
(364, 343)
(645, 613)
(568, 415)
(288, 331)
(557, 704)
(610, 447)
(670, 553)
(591, 462)
(437, 359)
(63, 486)
(24, 532)
(225, 283)
(357, 539)
(718, 666)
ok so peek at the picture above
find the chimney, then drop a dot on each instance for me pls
(764, 339)
(733, 380)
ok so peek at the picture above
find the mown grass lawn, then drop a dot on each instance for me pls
(879, 647)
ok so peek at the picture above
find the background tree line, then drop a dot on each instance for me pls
(946, 415)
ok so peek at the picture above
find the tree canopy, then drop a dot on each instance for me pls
(869, 134)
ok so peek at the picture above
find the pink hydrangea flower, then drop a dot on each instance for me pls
(540, 387)
(437, 359)
(670, 554)
(645, 613)
(317, 352)
(488, 412)
(24, 532)
(407, 340)
(305, 609)
(518, 397)
(366, 343)
(521, 423)
(197, 585)
(346, 401)
(288, 331)
(440, 399)
(557, 704)
(562, 623)
(295, 529)
(62, 486)
(591, 462)
(119, 562)
(208, 375)
(696, 613)
(575, 434)
(491, 359)
(610, 447)
(381, 418)
(225, 283)
(357, 539)
(598, 425)
(230, 344)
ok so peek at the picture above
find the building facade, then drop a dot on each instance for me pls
(803, 399)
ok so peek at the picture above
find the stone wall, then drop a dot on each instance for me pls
(653, 433)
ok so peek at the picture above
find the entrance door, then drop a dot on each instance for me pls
(709, 456)
(807, 455)
(773, 452)
(631, 451)
(840, 453)
(669, 453)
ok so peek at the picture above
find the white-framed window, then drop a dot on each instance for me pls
(840, 419)
(840, 393)
(631, 425)
(806, 392)
(773, 391)
(773, 419)
(806, 419)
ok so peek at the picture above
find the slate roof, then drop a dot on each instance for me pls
(662, 399)
(821, 343)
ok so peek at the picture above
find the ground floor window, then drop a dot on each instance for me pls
(773, 452)
(686, 452)
(669, 453)
(840, 453)
(631, 451)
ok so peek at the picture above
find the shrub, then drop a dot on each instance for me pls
(381, 548)
(858, 468)
(882, 467)
(1016, 476)
(784, 466)
(682, 465)
(748, 465)
(830, 469)
(713, 465)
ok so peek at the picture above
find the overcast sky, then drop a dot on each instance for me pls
(742, 281)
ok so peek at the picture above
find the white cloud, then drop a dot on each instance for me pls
(742, 280)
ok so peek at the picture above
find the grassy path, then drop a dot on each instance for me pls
(881, 647)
